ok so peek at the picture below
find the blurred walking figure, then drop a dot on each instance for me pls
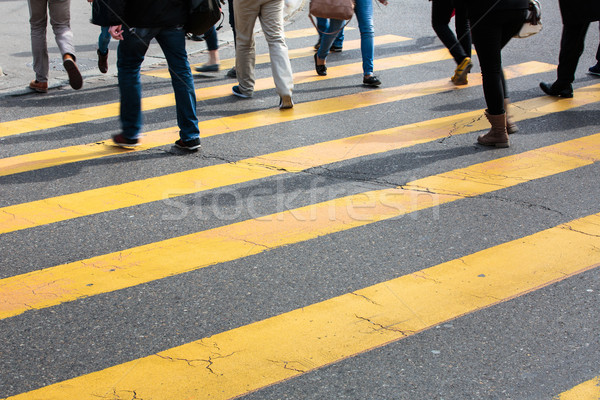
(576, 16)
(103, 41)
(270, 14)
(441, 14)
(364, 14)
(102, 51)
(212, 44)
(493, 24)
(135, 23)
(60, 19)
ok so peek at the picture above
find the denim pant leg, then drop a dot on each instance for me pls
(212, 40)
(103, 40)
(172, 43)
(339, 39)
(328, 39)
(364, 14)
(322, 26)
(130, 55)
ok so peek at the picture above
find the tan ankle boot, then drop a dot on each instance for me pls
(497, 136)
(511, 127)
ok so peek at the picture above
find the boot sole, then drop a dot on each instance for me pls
(75, 79)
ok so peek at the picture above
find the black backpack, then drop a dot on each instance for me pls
(203, 15)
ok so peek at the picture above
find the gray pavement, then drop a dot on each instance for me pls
(15, 58)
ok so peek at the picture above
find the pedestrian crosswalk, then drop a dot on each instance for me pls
(218, 126)
(266, 352)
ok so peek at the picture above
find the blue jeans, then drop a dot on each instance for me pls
(103, 40)
(364, 15)
(130, 55)
(211, 38)
(323, 26)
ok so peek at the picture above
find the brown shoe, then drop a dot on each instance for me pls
(102, 62)
(497, 136)
(40, 87)
(75, 79)
(511, 127)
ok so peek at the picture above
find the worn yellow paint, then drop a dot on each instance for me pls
(87, 114)
(589, 390)
(105, 273)
(305, 32)
(292, 54)
(50, 210)
(218, 126)
(254, 356)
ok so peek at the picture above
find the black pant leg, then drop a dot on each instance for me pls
(441, 12)
(571, 48)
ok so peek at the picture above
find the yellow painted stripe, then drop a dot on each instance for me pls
(50, 210)
(589, 390)
(300, 33)
(218, 126)
(106, 273)
(292, 54)
(250, 357)
(168, 100)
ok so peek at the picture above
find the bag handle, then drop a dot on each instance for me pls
(325, 33)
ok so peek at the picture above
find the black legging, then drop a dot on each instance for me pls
(441, 13)
(490, 34)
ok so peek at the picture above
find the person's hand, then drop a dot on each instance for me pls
(116, 32)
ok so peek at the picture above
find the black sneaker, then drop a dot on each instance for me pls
(595, 70)
(238, 92)
(371, 80)
(122, 141)
(190, 145)
(336, 49)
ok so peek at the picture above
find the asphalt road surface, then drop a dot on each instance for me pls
(358, 246)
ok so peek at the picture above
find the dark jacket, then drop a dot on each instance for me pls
(140, 13)
(479, 8)
(579, 11)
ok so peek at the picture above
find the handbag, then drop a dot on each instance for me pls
(203, 15)
(335, 9)
(533, 23)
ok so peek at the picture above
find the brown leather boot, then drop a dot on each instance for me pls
(102, 62)
(75, 79)
(497, 136)
(511, 127)
(40, 87)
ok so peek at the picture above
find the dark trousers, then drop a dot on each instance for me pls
(598, 53)
(490, 34)
(572, 43)
(441, 13)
